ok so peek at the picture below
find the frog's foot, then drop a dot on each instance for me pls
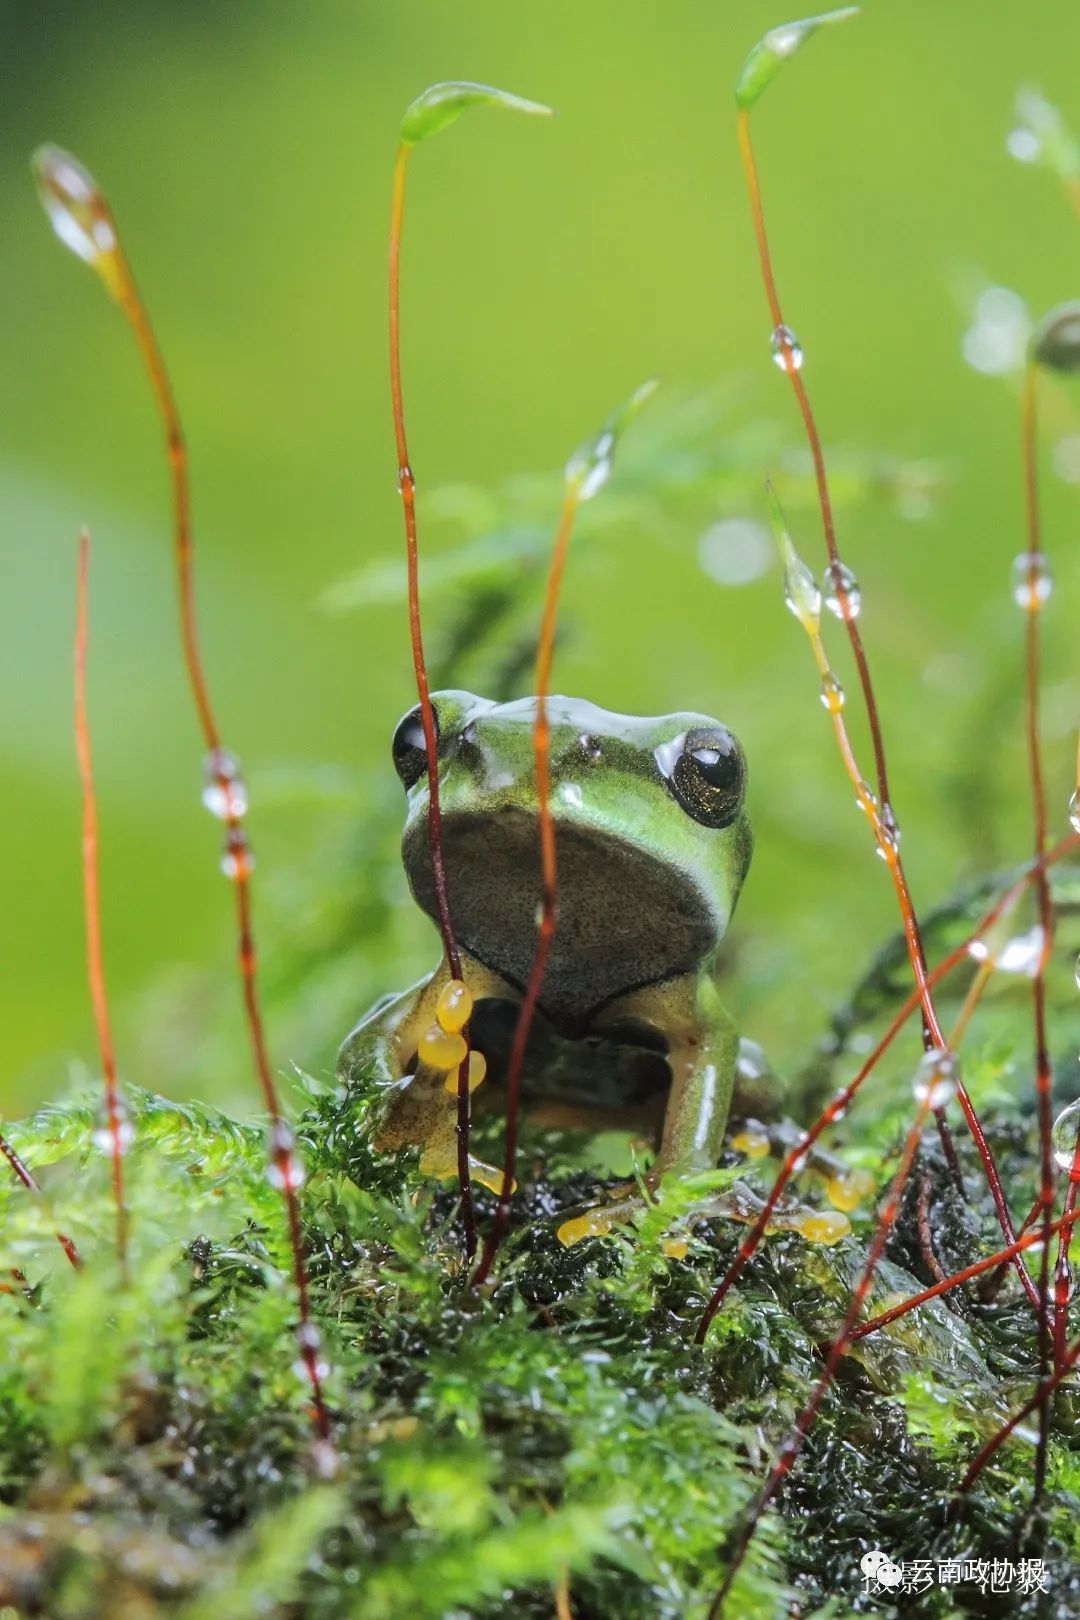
(825, 1226)
(845, 1186)
(440, 1160)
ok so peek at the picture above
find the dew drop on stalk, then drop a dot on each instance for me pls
(224, 792)
(832, 693)
(74, 205)
(800, 587)
(786, 349)
(936, 1078)
(237, 862)
(1074, 811)
(285, 1170)
(1031, 580)
(1063, 1136)
(1023, 953)
(102, 1135)
(840, 591)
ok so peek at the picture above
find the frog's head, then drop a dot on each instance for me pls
(653, 839)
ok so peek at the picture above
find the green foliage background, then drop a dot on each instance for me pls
(550, 267)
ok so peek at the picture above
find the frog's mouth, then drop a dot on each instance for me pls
(625, 919)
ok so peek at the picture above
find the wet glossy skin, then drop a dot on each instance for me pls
(653, 843)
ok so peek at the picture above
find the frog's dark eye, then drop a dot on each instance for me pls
(407, 748)
(706, 773)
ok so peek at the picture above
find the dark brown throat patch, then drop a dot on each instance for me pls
(625, 918)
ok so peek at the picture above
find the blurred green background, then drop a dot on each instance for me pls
(549, 267)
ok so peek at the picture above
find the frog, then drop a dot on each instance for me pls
(653, 843)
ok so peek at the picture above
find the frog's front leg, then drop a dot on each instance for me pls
(417, 1107)
(702, 1051)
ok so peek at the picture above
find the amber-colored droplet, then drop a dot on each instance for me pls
(823, 1226)
(454, 1006)
(442, 1049)
(755, 1144)
(477, 1071)
(675, 1248)
(583, 1226)
(848, 1189)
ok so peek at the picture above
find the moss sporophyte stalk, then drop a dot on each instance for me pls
(542, 1304)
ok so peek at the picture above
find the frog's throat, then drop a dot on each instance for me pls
(635, 919)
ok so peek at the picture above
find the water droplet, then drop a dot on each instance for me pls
(1063, 1136)
(237, 862)
(751, 1062)
(1023, 953)
(786, 349)
(1031, 580)
(1077, 971)
(597, 470)
(224, 793)
(936, 1078)
(1063, 1282)
(1074, 811)
(285, 1169)
(832, 693)
(888, 832)
(102, 1135)
(800, 587)
(841, 592)
(76, 209)
(590, 467)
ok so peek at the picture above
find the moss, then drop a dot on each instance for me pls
(563, 1432)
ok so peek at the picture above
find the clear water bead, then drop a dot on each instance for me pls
(937, 1077)
(224, 793)
(1031, 580)
(74, 205)
(832, 693)
(1074, 811)
(237, 862)
(1063, 1136)
(840, 590)
(285, 1170)
(102, 1135)
(1023, 953)
(800, 587)
(786, 349)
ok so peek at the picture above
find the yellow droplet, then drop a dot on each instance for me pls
(823, 1226)
(675, 1248)
(477, 1071)
(454, 1006)
(755, 1144)
(583, 1226)
(442, 1049)
(848, 1189)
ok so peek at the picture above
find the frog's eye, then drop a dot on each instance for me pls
(407, 748)
(705, 771)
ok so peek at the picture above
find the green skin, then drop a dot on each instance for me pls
(630, 1030)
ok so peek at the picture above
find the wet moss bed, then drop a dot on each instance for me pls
(558, 1446)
